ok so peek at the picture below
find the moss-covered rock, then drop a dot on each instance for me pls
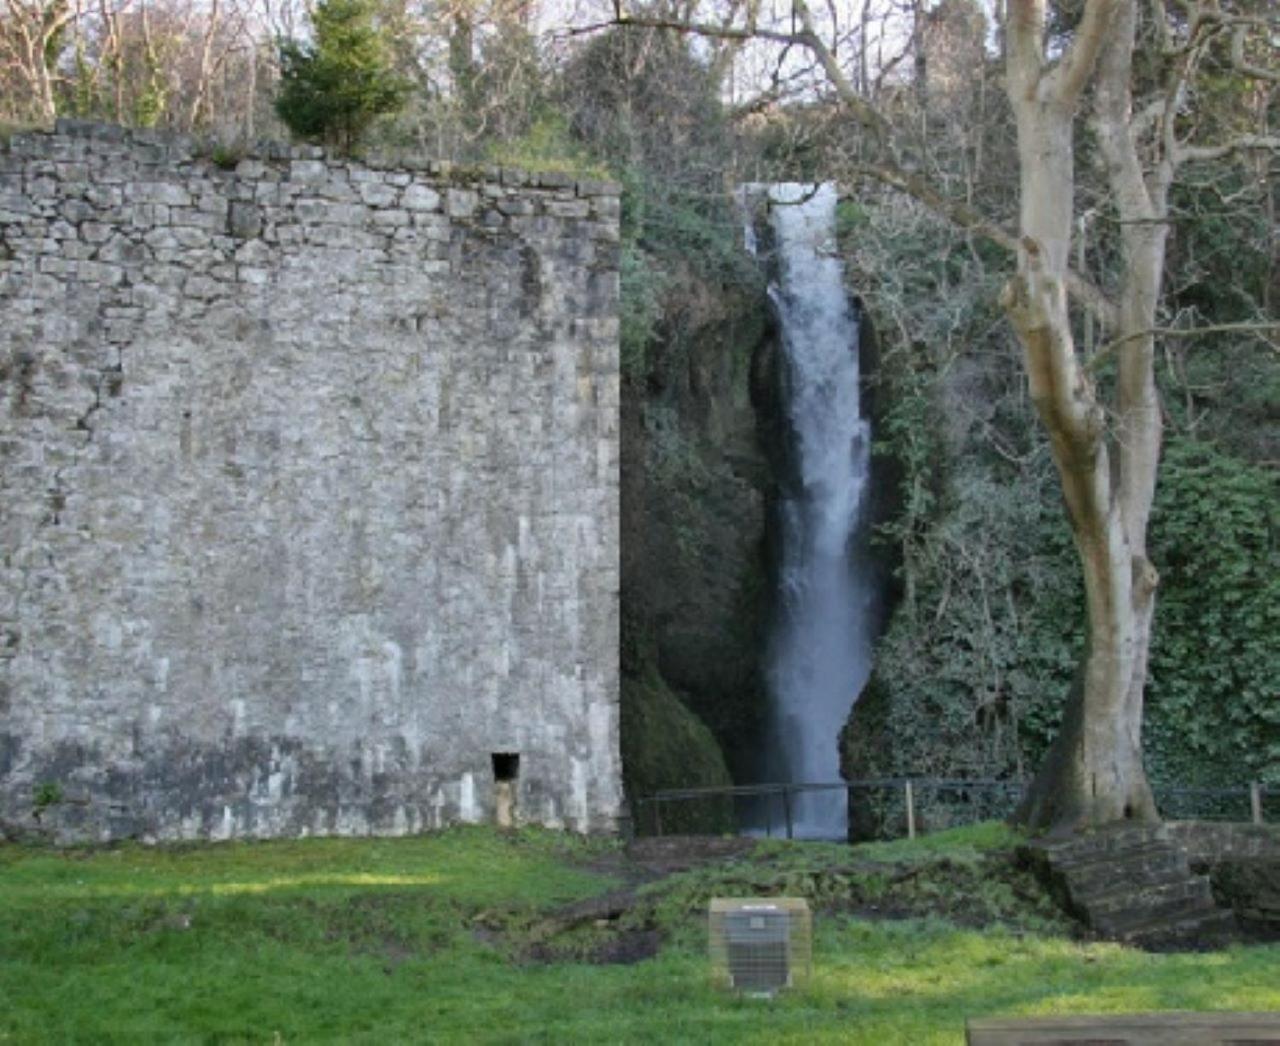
(664, 745)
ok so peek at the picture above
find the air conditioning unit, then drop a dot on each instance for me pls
(760, 945)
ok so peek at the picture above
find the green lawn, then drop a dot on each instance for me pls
(380, 941)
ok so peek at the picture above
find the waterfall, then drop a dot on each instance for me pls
(819, 653)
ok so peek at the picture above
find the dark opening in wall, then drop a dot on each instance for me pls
(506, 766)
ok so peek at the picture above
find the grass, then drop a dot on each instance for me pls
(377, 941)
(8, 128)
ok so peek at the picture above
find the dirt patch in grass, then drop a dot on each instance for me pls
(616, 928)
(620, 948)
(671, 880)
(668, 855)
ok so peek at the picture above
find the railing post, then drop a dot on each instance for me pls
(786, 809)
(1255, 801)
(911, 811)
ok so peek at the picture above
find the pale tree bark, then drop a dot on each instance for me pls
(26, 46)
(113, 54)
(1107, 458)
(1094, 772)
(204, 68)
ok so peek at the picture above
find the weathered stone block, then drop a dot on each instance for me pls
(390, 219)
(244, 221)
(1251, 886)
(420, 198)
(461, 203)
(599, 188)
(308, 171)
(158, 192)
(378, 194)
(515, 206)
(251, 170)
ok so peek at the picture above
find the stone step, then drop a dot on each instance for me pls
(1191, 929)
(1121, 922)
(1120, 895)
(1132, 883)
(1093, 845)
(1105, 872)
(1102, 895)
(1143, 898)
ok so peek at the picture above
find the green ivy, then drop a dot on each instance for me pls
(972, 679)
(642, 286)
(1213, 698)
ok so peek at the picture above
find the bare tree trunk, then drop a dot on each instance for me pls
(1094, 773)
(204, 70)
(34, 26)
(112, 56)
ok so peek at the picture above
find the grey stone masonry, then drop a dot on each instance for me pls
(1205, 842)
(308, 491)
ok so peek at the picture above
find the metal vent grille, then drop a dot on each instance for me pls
(760, 945)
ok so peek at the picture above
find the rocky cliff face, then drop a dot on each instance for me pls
(694, 491)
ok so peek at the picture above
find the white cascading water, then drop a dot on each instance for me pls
(819, 655)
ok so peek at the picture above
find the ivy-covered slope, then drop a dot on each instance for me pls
(982, 645)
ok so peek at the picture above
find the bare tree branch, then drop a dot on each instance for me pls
(969, 218)
(718, 32)
(1242, 64)
(1069, 77)
(864, 111)
(886, 170)
(1245, 143)
(1260, 329)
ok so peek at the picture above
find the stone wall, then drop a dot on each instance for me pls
(1209, 841)
(1243, 865)
(308, 491)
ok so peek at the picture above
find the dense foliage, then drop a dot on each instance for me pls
(971, 673)
(1214, 696)
(646, 108)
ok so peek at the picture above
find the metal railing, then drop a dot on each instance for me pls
(892, 807)
(1238, 803)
